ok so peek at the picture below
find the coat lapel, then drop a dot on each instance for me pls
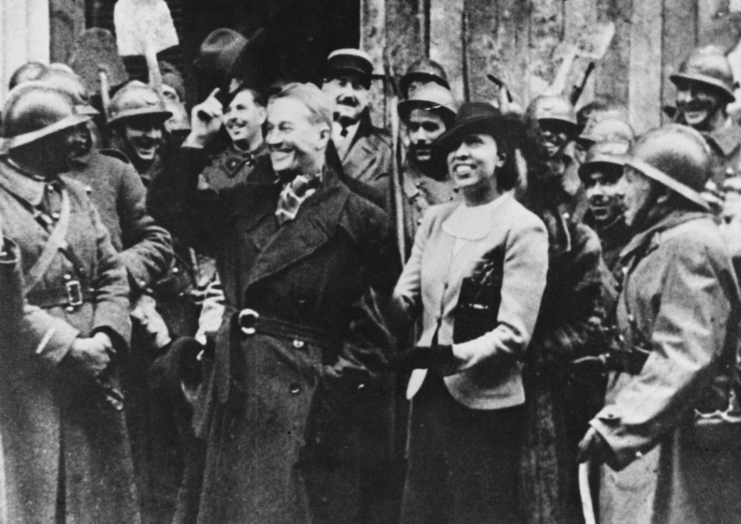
(313, 226)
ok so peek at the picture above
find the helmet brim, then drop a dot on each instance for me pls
(407, 80)
(590, 166)
(662, 178)
(406, 107)
(702, 79)
(27, 138)
(126, 115)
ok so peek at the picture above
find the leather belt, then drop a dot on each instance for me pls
(250, 322)
(73, 294)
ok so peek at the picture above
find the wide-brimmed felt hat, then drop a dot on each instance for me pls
(220, 55)
(474, 118)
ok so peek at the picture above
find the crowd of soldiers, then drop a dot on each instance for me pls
(200, 311)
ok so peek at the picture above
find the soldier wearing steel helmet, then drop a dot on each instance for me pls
(553, 120)
(601, 174)
(421, 73)
(607, 125)
(426, 115)
(146, 250)
(65, 445)
(117, 191)
(135, 126)
(668, 454)
(705, 87)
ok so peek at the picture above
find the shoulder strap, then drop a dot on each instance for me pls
(53, 245)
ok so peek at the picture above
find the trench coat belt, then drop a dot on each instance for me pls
(250, 322)
(73, 294)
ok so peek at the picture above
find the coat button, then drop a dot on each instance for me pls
(298, 344)
(294, 388)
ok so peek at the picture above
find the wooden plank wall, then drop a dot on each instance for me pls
(517, 40)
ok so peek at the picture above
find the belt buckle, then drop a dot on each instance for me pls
(74, 293)
(247, 321)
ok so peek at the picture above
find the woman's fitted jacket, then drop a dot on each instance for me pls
(489, 367)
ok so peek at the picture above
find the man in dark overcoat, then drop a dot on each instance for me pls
(66, 451)
(297, 254)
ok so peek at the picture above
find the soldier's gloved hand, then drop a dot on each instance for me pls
(205, 121)
(439, 358)
(90, 356)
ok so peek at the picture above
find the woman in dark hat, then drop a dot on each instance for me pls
(476, 276)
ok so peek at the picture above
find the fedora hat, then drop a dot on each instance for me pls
(478, 117)
(220, 55)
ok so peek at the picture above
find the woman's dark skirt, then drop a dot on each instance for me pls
(463, 463)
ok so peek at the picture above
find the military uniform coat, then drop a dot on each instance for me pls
(117, 191)
(277, 399)
(230, 168)
(67, 455)
(681, 302)
(726, 146)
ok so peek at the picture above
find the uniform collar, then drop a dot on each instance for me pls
(726, 138)
(24, 187)
(247, 154)
(672, 220)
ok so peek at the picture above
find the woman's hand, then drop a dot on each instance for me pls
(439, 358)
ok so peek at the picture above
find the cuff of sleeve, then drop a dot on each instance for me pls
(136, 271)
(120, 346)
(624, 448)
(56, 342)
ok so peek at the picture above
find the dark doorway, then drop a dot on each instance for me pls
(297, 35)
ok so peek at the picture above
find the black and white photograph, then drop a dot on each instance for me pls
(370, 262)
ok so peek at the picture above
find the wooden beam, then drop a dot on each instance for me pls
(612, 72)
(446, 40)
(482, 50)
(373, 42)
(645, 73)
(513, 47)
(405, 32)
(679, 38)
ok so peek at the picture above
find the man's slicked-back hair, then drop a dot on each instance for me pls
(319, 104)
(257, 97)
